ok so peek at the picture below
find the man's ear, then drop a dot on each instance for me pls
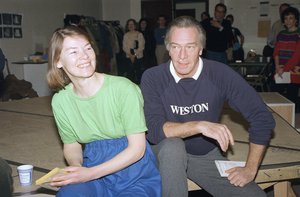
(200, 52)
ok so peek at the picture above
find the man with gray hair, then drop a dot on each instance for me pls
(183, 101)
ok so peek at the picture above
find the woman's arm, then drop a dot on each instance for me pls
(134, 152)
(278, 68)
(294, 63)
(141, 47)
(126, 45)
(73, 154)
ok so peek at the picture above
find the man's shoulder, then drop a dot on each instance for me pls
(157, 71)
(217, 70)
(157, 77)
(212, 64)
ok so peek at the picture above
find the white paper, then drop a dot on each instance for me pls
(284, 78)
(224, 165)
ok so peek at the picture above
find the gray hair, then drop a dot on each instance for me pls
(186, 22)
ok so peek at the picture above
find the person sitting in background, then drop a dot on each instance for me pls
(6, 181)
(159, 33)
(285, 55)
(237, 41)
(133, 46)
(101, 123)
(218, 34)
(149, 51)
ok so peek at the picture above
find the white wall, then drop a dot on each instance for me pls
(199, 8)
(121, 10)
(247, 15)
(40, 19)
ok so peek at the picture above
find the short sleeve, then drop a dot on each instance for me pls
(63, 126)
(132, 113)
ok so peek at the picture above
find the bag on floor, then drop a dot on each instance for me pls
(15, 89)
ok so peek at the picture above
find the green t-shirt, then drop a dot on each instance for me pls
(115, 111)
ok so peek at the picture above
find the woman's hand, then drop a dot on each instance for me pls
(132, 58)
(296, 70)
(73, 175)
(279, 70)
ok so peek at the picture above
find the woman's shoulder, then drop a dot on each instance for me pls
(118, 81)
(61, 95)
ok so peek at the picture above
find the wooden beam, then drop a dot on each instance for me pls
(278, 174)
(283, 189)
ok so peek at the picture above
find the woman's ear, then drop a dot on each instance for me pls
(59, 64)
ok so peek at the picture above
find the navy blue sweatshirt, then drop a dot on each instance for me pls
(216, 40)
(202, 100)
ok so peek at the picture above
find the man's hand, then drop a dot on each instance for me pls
(240, 176)
(72, 175)
(218, 132)
(215, 24)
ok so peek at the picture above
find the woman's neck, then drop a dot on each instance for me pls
(292, 29)
(88, 87)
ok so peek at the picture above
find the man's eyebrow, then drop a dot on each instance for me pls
(190, 43)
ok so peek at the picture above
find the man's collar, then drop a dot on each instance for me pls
(195, 76)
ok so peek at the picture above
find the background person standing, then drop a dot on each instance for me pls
(237, 42)
(161, 52)
(218, 34)
(133, 46)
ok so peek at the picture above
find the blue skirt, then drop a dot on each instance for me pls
(141, 179)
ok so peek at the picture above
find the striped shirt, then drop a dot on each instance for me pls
(286, 50)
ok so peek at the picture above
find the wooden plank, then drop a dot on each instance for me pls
(266, 185)
(37, 105)
(283, 189)
(284, 134)
(192, 185)
(30, 139)
(281, 105)
(286, 112)
(278, 174)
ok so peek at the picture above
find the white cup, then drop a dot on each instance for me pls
(25, 58)
(25, 174)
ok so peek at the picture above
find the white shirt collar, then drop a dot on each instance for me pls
(195, 76)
